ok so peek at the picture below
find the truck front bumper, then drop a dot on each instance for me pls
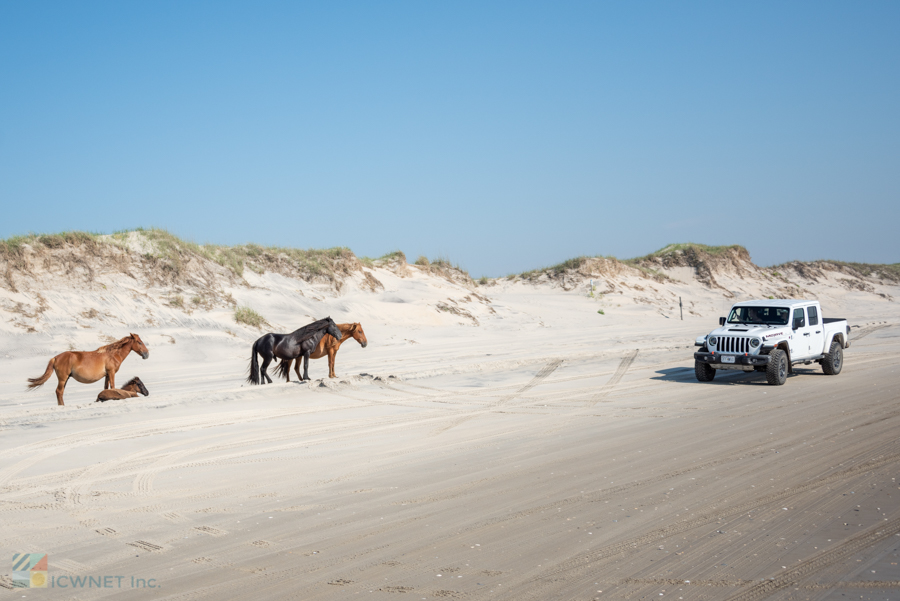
(740, 363)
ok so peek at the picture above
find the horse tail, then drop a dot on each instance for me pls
(284, 369)
(37, 382)
(253, 378)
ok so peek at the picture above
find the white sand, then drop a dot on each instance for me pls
(524, 447)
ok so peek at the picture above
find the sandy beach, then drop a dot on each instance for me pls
(498, 441)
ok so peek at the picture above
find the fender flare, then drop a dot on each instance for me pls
(830, 339)
(783, 345)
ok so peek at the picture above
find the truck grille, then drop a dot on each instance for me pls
(733, 344)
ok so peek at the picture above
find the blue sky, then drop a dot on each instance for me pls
(503, 136)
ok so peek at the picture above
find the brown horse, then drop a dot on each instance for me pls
(329, 345)
(129, 391)
(89, 366)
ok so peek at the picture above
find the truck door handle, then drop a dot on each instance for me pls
(806, 333)
(818, 331)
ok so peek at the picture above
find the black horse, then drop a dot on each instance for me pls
(299, 343)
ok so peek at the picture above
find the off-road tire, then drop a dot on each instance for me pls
(704, 371)
(834, 359)
(777, 369)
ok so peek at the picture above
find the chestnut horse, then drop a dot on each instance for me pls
(129, 391)
(89, 366)
(329, 345)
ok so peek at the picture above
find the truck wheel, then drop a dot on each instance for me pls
(776, 371)
(834, 360)
(703, 371)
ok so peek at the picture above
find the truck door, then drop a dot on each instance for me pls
(816, 331)
(799, 341)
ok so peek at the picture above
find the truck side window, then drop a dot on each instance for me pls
(798, 316)
(813, 316)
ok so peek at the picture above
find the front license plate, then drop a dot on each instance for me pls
(727, 358)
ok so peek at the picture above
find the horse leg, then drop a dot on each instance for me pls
(297, 369)
(60, 388)
(306, 365)
(331, 355)
(262, 370)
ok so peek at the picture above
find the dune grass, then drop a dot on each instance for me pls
(13, 245)
(686, 246)
(247, 316)
(310, 262)
(888, 271)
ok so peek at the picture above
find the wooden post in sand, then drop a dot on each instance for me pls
(681, 308)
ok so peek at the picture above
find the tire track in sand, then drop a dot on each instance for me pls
(789, 578)
(584, 562)
(863, 332)
(539, 377)
(627, 360)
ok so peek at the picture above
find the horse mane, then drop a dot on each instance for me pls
(310, 329)
(133, 380)
(114, 346)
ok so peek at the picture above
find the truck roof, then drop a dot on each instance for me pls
(788, 302)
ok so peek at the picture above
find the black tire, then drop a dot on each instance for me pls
(704, 371)
(834, 360)
(776, 371)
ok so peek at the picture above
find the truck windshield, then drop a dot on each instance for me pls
(774, 316)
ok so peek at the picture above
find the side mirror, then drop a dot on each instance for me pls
(799, 322)
(721, 321)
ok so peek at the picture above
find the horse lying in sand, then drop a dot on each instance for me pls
(299, 343)
(329, 345)
(129, 391)
(89, 366)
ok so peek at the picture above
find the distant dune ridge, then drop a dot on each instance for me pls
(76, 283)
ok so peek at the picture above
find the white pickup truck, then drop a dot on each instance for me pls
(772, 336)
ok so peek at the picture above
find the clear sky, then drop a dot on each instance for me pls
(504, 136)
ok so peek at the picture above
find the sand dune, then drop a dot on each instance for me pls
(498, 440)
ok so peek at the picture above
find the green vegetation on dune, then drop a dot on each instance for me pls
(883, 271)
(559, 269)
(13, 245)
(888, 271)
(172, 254)
(554, 270)
(687, 247)
(248, 316)
(309, 262)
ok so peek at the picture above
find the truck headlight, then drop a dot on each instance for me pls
(712, 340)
(754, 342)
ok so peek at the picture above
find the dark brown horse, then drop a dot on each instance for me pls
(297, 344)
(89, 366)
(129, 391)
(329, 345)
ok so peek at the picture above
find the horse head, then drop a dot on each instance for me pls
(331, 328)
(136, 385)
(358, 335)
(138, 346)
